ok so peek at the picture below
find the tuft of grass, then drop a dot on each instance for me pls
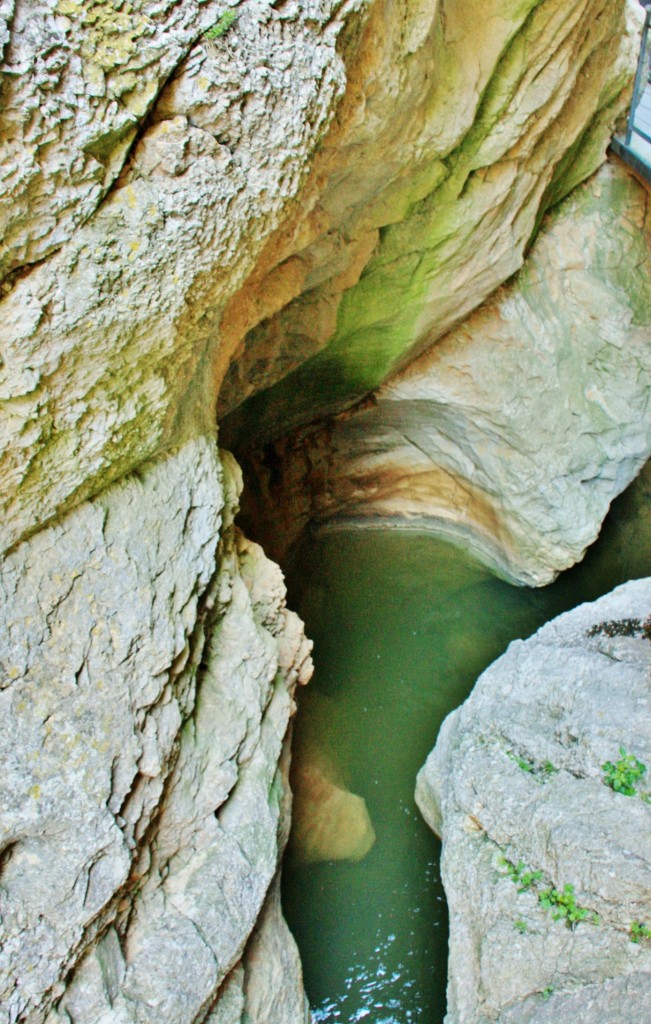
(521, 926)
(221, 26)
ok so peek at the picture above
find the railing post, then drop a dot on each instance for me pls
(642, 76)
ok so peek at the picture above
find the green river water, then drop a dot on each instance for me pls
(403, 623)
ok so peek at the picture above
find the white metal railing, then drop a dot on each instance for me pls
(639, 119)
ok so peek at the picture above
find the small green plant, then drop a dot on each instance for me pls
(623, 776)
(520, 874)
(561, 902)
(639, 931)
(524, 764)
(221, 26)
(564, 907)
(547, 992)
(521, 926)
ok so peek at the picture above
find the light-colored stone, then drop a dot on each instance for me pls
(514, 432)
(110, 346)
(146, 695)
(266, 986)
(273, 981)
(116, 344)
(164, 196)
(461, 124)
(517, 774)
(79, 77)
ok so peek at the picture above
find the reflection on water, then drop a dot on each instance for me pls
(382, 989)
(403, 624)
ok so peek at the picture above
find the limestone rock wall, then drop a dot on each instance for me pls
(516, 776)
(167, 195)
(515, 431)
(165, 198)
(460, 124)
(148, 669)
(110, 345)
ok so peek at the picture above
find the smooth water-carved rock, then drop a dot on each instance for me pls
(461, 124)
(147, 279)
(146, 695)
(164, 196)
(517, 776)
(515, 431)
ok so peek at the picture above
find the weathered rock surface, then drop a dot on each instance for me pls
(450, 143)
(148, 670)
(517, 774)
(515, 431)
(77, 80)
(164, 198)
(110, 346)
(118, 334)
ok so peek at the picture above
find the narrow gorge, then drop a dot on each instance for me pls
(351, 292)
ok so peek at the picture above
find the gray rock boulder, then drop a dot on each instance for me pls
(546, 867)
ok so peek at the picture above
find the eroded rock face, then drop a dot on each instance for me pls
(111, 346)
(77, 80)
(447, 148)
(164, 196)
(517, 776)
(126, 308)
(149, 664)
(515, 431)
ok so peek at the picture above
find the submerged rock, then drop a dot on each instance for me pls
(166, 197)
(546, 866)
(328, 821)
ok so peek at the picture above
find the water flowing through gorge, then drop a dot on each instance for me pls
(403, 623)
(272, 271)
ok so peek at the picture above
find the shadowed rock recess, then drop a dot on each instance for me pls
(273, 222)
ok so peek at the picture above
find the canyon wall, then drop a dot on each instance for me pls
(184, 221)
(461, 125)
(515, 431)
(150, 666)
